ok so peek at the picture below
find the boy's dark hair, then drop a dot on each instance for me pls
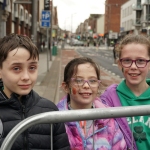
(71, 68)
(13, 41)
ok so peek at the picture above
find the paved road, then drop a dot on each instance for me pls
(103, 57)
(48, 83)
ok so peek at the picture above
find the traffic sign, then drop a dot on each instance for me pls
(45, 21)
(46, 4)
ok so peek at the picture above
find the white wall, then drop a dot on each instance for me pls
(100, 24)
(128, 15)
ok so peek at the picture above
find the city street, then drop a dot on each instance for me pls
(103, 56)
(61, 30)
(49, 83)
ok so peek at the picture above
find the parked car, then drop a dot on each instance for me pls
(73, 42)
(68, 41)
(79, 43)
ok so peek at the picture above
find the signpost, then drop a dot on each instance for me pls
(45, 23)
(46, 5)
(113, 35)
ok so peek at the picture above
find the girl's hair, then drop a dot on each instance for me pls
(137, 39)
(13, 41)
(72, 66)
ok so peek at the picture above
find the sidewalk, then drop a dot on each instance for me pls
(48, 83)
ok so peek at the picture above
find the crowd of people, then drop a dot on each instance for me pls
(82, 83)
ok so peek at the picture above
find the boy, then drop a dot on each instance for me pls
(18, 70)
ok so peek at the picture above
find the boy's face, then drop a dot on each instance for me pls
(18, 73)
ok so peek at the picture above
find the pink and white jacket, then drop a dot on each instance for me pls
(104, 134)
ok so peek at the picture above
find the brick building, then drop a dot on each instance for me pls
(16, 17)
(112, 16)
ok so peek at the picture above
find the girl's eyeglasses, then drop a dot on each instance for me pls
(140, 63)
(81, 82)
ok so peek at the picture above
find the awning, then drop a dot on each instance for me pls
(95, 36)
(101, 34)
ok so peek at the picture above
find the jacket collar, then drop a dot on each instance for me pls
(28, 100)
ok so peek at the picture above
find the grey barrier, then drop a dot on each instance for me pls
(73, 115)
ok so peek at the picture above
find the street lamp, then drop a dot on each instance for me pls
(65, 23)
(71, 20)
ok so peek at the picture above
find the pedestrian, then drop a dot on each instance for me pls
(115, 53)
(82, 84)
(112, 43)
(41, 48)
(88, 42)
(43, 45)
(134, 57)
(94, 42)
(18, 71)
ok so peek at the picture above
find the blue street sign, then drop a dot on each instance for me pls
(45, 21)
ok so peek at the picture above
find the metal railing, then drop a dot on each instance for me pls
(137, 22)
(73, 115)
(137, 6)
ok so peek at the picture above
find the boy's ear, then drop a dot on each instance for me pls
(65, 87)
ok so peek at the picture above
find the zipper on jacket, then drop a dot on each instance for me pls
(24, 134)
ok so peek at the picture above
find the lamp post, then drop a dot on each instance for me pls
(71, 20)
(51, 30)
(65, 23)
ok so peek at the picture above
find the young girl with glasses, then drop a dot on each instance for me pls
(134, 57)
(82, 84)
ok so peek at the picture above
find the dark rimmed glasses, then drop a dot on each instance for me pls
(140, 63)
(81, 82)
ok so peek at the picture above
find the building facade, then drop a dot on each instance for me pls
(16, 17)
(135, 17)
(112, 19)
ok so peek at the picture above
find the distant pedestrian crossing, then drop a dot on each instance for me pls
(90, 47)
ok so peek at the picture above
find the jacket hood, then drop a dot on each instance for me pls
(128, 98)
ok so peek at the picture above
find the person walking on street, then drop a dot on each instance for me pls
(18, 71)
(43, 45)
(112, 43)
(134, 58)
(88, 42)
(82, 84)
(115, 53)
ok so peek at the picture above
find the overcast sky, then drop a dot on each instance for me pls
(78, 10)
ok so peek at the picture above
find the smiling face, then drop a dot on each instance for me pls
(18, 73)
(135, 77)
(81, 97)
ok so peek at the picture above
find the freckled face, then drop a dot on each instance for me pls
(135, 76)
(82, 97)
(18, 73)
